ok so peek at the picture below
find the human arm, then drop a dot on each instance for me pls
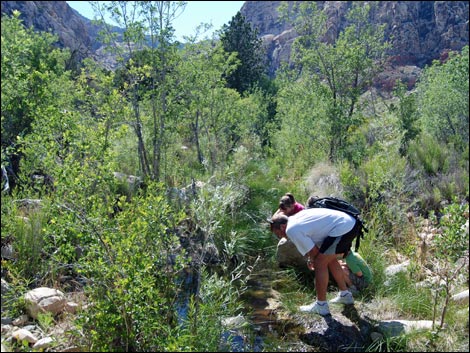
(311, 257)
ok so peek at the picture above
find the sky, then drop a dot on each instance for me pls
(216, 13)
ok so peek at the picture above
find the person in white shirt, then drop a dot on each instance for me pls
(320, 234)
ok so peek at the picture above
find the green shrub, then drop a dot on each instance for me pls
(438, 173)
(452, 243)
(132, 270)
(428, 155)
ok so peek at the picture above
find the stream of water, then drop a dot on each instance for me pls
(271, 333)
(267, 331)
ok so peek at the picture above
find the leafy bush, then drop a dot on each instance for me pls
(428, 155)
(439, 173)
(452, 243)
(443, 91)
(132, 272)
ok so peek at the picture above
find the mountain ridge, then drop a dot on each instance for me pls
(419, 31)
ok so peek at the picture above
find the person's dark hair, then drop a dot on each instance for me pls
(311, 201)
(276, 220)
(287, 200)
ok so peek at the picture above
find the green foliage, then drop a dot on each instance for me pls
(342, 71)
(443, 95)
(217, 120)
(137, 293)
(206, 127)
(452, 243)
(406, 110)
(239, 37)
(45, 320)
(157, 71)
(379, 187)
(215, 209)
(411, 299)
(29, 243)
(260, 203)
(449, 249)
(379, 179)
(428, 155)
(298, 139)
(167, 114)
(390, 344)
(257, 117)
(13, 302)
(217, 299)
(24, 230)
(101, 105)
(440, 172)
(32, 71)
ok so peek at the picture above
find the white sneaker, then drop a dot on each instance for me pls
(316, 308)
(343, 299)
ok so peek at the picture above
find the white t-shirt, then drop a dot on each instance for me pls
(311, 226)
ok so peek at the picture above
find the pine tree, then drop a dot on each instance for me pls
(238, 36)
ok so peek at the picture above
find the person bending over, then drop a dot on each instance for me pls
(358, 274)
(320, 234)
(289, 206)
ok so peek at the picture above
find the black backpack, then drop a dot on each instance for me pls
(338, 204)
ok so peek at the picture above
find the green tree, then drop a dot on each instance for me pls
(238, 36)
(443, 95)
(298, 136)
(208, 104)
(406, 110)
(147, 25)
(31, 70)
(213, 120)
(341, 68)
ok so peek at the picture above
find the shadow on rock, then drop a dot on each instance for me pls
(345, 332)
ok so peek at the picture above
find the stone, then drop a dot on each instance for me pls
(461, 298)
(24, 335)
(44, 299)
(288, 255)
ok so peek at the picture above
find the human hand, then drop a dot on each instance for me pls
(310, 263)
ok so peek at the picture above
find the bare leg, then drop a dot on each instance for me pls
(338, 273)
(321, 274)
(346, 272)
(346, 277)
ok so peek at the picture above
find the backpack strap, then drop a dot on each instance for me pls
(362, 229)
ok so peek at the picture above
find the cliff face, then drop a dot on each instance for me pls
(75, 32)
(56, 17)
(419, 31)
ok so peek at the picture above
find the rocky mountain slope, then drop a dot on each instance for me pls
(56, 17)
(74, 31)
(420, 31)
